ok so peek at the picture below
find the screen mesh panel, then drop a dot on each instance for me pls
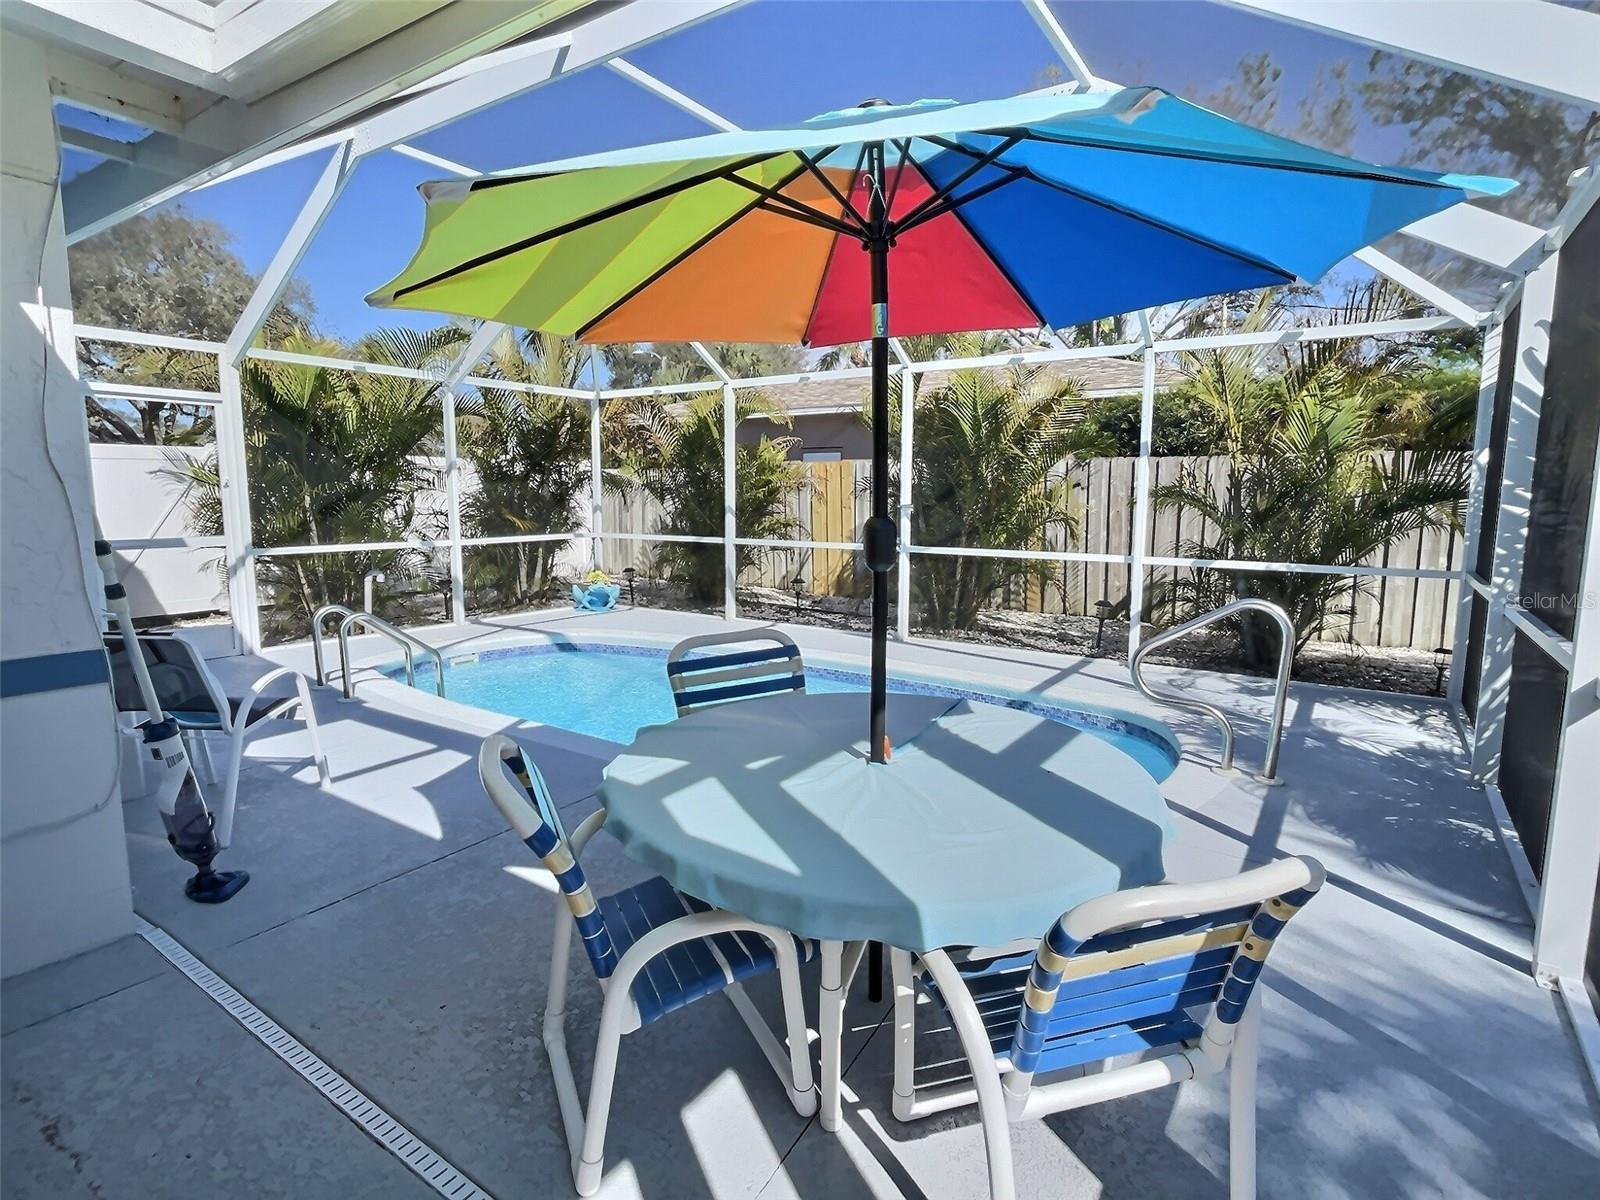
(1532, 740)
(1569, 423)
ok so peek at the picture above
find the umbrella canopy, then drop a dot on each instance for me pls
(1040, 210)
(1036, 210)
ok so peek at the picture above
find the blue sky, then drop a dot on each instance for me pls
(771, 62)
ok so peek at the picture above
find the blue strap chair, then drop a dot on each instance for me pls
(654, 950)
(1167, 973)
(734, 674)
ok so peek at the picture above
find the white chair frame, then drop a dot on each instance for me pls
(1004, 1096)
(239, 729)
(585, 1127)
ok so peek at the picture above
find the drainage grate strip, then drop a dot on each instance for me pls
(384, 1129)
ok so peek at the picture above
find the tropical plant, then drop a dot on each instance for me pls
(332, 458)
(529, 453)
(1316, 472)
(989, 472)
(673, 452)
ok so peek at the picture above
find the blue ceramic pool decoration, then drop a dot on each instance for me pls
(595, 597)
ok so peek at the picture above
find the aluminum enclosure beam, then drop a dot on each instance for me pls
(340, 93)
(1075, 63)
(1488, 380)
(1572, 851)
(477, 346)
(290, 251)
(1421, 287)
(1528, 44)
(159, 153)
(1511, 529)
(1487, 237)
(494, 77)
(98, 89)
(671, 95)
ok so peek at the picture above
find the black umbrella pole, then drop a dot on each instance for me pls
(881, 535)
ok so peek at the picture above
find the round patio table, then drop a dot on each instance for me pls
(985, 825)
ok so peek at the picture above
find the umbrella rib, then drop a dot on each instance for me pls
(914, 217)
(1372, 176)
(956, 202)
(827, 264)
(1143, 218)
(1016, 284)
(769, 197)
(698, 244)
(862, 225)
(594, 218)
(807, 216)
(904, 146)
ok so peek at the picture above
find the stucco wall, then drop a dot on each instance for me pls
(63, 861)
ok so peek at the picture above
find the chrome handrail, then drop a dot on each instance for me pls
(1280, 697)
(405, 641)
(317, 618)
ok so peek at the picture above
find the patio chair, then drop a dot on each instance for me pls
(738, 675)
(653, 949)
(1166, 972)
(190, 694)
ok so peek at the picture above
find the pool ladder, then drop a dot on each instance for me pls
(1280, 698)
(373, 624)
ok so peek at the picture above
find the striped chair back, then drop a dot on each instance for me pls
(1152, 967)
(770, 666)
(526, 803)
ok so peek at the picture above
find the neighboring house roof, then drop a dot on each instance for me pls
(1096, 377)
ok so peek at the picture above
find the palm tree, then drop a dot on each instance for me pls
(1316, 472)
(672, 451)
(332, 457)
(530, 456)
(989, 473)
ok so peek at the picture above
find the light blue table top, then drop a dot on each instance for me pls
(985, 826)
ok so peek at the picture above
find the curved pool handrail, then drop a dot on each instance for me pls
(1280, 696)
(317, 620)
(406, 642)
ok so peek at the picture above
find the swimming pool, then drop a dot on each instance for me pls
(608, 690)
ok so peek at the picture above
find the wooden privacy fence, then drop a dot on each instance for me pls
(832, 502)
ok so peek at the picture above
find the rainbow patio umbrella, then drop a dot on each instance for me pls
(1040, 210)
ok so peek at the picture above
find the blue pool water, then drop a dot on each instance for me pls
(612, 691)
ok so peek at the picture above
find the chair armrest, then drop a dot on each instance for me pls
(586, 829)
(254, 694)
(685, 929)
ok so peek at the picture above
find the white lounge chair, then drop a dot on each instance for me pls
(1167, 972)
(190, 694)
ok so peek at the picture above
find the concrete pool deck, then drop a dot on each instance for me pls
(396, 928)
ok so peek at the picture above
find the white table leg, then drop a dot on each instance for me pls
(830, 1025)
